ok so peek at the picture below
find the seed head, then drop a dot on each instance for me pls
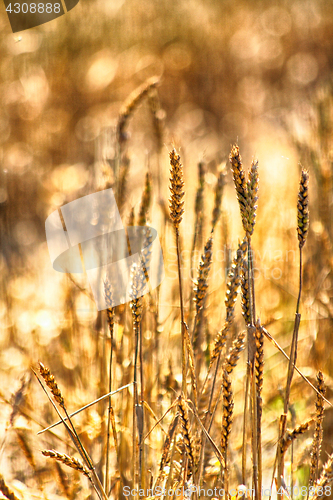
(303, 208)
(177, 189)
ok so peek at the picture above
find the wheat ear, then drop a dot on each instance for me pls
(131, 103)
(186, 431)
(295, 433)
(326, 478)
(218, 199)
(227, 417)
(72, 462)
(176, 215)
(200, 288)
(52, 384)
(230, 300)
(145, 201)
(318, 432)
(303, 208)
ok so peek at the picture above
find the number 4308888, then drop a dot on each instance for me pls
(33, 8)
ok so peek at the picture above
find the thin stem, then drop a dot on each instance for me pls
(291, 369)
(141, 449)
(135, 400)
(244, 424)
(181, 315)
(106, 479)
(208, 414)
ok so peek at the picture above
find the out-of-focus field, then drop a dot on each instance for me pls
(256, 73)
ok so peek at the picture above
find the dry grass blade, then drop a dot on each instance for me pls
(86, 407)
(6, 491)
(71, 462)
(63, 480)
(26, 448)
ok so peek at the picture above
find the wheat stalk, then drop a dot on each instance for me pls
(176, 215)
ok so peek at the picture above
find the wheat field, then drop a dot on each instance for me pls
(214, 379)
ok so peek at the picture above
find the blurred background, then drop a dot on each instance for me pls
(258, 73)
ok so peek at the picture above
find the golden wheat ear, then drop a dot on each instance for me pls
(51, 384)
(71, 462)
(176, 188)
(186, 432)
(201, 284)
(303, 208)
